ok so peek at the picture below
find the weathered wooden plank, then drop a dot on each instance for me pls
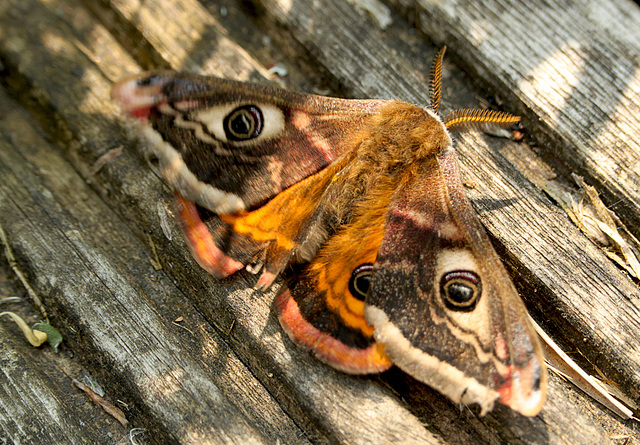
(342, 408)
(31, 396)
(109, 301)
(37, 399)
(575, 66)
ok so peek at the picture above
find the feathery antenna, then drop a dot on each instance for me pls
(465, 119)
(435, 78)
(477, 119)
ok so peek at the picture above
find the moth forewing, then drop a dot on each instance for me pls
(442, 303)
(516, 349)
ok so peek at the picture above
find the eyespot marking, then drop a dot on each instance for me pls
(460, 290)
(360, 281)
(243, 123)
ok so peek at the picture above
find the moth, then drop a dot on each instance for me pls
(362, 200)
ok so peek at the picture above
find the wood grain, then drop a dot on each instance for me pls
(574, 66)
(96, 275)
(227, 374)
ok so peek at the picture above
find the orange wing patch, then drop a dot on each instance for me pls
(274, 230)
(354, 244)
(332, 272)
(320, 313)
(329, 349)
(285, 222)
(279, 221)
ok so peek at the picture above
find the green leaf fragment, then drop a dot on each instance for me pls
(54, 337)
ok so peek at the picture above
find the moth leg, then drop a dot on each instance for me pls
(264, 239)
(282, 227)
